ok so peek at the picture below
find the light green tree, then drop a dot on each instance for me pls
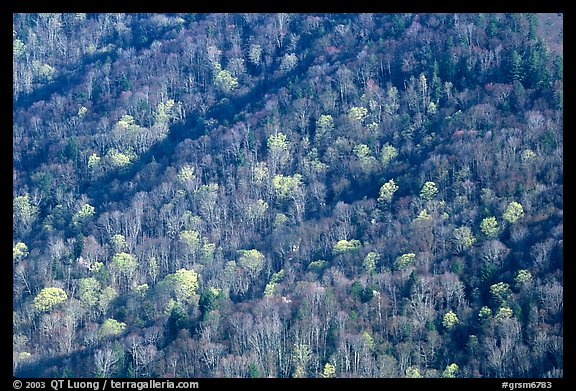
(504, 313)
(118, 243)
(413, 372)
(19, 251)
(370, 261)
(404, 261)
(429, 191)
(288, 62)
(489, 227)
(86, 212)
(329, 371)
(186, 174)
(23, 213)
(124, 265)
(485, 312)
(387, 154)
(252, 261)
(324, 126)
(523, 277)
(344, 246)
(93, 160)
(111, 327)
(500, 292)
(120, 160)
(49, 298)
(423, 216)
(255, 54)
(286, 187)
(387, 191)
(362, 153)
(225, 82)
(357, 114)
(513, 213)
(183, 285)
(450, 371)
(463, 239)
(300, 357)
(190, 238)
(88, 291)
(450, 320)
(278, 149)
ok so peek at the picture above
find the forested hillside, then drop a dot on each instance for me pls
(288, 195)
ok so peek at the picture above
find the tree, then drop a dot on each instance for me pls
(324, 126)
(329, 371)
(513, 213)
(252, 261)
(344, 246)
(489, 227)
(450, 371)
(19, 251)
(85, 213)
(387, 154)
(182, 285)
(48, 299)
(523, 277)
(24, 213)
(111, 327)
(124, 265)
(449, 320)
(370, 261)
(404, 261)
(463, 239)
(225, 82)
(278, 150)
(500, 292)
(387, 191)
(357, 114)
(429, 191)
(287, 187)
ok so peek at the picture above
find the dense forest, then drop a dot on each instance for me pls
(288, 195)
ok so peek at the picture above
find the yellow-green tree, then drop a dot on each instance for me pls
(183, 285)
(23, 214)
(286, 187)
(514, 212)
(49, 298)
(450, 320)
(387, 191)
(404, 261)
(463, 239)
(124, 265)
(357, 114)
(429, 191)
(523, 277)
(329, 371)
(387, 154)
(252, 261)
(324, 126)
(85, 213)
(111, 327)
(225, 82)
(344, 246)
(489, 227)
(278, 150)
(450, 371)
(413, 372)
(370, 261)
(504, 313)
(362, 153)
(19, 251)
(500, 292)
